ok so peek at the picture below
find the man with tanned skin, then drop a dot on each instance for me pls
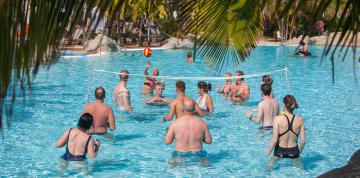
(241, 90)
(267, 110)
(102, 113)
(158, 98)
(188, 131)
(122, 94)
(176, 105)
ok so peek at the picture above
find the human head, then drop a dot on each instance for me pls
(188, 105)
(290, 103)
(189, 54)
(239, 73)
(158, 89)
(100, 93)
(227, 75)
(85, 122)
(203, 86)
(180, 86)
(155, 72)
(124, 75)
(266, 89)
(266, 79)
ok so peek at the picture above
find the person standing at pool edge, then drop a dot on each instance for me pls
(188, 131)
(268, 108)
(102, 113)
(287, 128)
(78, 141)
(122, 94)
(176, 105)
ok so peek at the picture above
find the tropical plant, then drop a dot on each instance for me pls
(227, 30)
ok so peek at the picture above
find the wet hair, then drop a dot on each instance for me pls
(157, 71)
(266, 79)
(205, 86)
(290, 103)
(228, 73)
(189, 54)
(188, 105)
(85, 122)
(266, 89)
(124, 75)
(100, 93)
(239, 73)
(302, 43)
(180, 85)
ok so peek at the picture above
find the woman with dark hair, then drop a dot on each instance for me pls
(287, 128)
(205, 101)
(78, 141)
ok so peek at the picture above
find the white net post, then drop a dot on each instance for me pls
(287, 80)
(89, 84)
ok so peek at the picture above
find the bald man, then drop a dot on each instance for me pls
(188, 131)
(102, 113)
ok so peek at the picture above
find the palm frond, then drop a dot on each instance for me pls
(228, 30)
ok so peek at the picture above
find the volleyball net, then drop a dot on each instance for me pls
(284, 72)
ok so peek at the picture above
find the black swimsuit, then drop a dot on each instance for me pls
(70, 157)
(293, 152)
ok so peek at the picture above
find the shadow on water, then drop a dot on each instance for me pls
(217, 157)
(127, 137)
(108, 165)
(145, 117)
(218, 115)
(311, 161)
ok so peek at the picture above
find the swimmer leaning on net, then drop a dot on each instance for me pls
(158, 98)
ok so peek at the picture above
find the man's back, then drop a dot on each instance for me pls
(270, 109)
(103, 116)
(189, 133)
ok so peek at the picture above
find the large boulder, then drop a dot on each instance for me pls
(352, 169)
(102, 43)
(186, 42)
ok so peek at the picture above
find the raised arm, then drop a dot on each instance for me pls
(259, 116)
(274, 137)
(171, 112)
(63, 139)
(302, 135)
(170, 135)
(111, 119)
(93, 148)
(146, 72)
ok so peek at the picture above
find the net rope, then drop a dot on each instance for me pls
(201, 78)
(285, 70)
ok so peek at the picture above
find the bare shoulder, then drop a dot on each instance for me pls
(277, 118)
(299, 118)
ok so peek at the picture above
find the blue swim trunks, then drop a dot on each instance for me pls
(197, 154)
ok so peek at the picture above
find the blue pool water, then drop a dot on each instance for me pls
(331, 113)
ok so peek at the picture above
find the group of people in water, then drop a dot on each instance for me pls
(188, 131)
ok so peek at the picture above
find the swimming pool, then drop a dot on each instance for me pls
(331, 113)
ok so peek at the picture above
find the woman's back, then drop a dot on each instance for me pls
(289, 127)
(77, 143)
